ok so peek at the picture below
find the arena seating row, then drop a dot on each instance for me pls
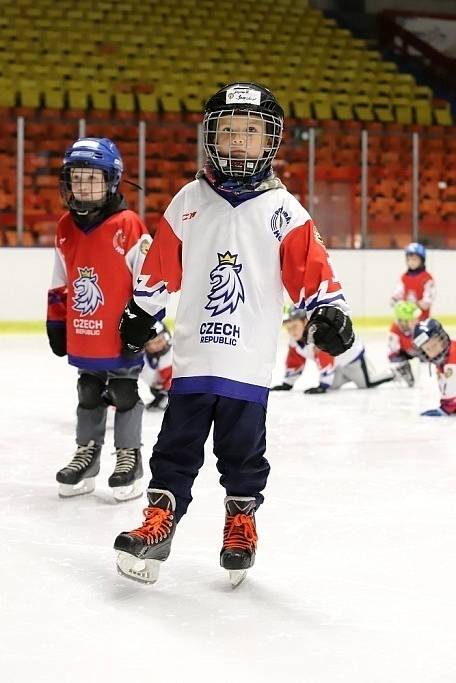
(146, 58)
(171, 151)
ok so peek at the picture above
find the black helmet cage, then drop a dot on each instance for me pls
(90, 204)
(253, 102)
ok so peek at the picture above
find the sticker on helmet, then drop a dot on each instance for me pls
(242, 95)
(92, 144)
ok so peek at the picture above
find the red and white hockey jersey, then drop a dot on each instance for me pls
(446, 374)
(418, 287)
(94, 276)
(298, 354)
(231, 263)
(399, 342)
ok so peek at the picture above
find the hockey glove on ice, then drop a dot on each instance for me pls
(282, 387)
(57, 339)
(330, 329)
(321, 389)
(135, 327)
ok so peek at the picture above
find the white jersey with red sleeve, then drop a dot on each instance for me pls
(446, 374)
(231, 263)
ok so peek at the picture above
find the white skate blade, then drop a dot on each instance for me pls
(129, 492)
(70, 490)
(237, 576)
(144, 571)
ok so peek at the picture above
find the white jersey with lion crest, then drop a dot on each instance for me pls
(231, 263)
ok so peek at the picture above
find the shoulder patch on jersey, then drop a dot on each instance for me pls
(144, 246)
(279, 221)
(118, 241)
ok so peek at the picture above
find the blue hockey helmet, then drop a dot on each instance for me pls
(424, 332)
(87, 154)
(416, 248)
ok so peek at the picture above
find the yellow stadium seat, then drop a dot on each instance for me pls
(125, 101)
(423, 112)
(148, 103)
(383, 109)
(442, 113)
(101, 100)
(77, 99)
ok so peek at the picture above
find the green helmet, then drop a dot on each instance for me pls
(406, 311)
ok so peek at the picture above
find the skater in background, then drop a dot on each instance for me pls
(100, 248)
(157, 370)
(351, 366)
(416, 284)
(229, 241)
(400, 341)
(433, 345)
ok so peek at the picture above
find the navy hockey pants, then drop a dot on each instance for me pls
(239, 446)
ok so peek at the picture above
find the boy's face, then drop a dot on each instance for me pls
(295, 328)
(413, 261)
(241, 137)
(433, 347)
(88, 184)
(157, 344)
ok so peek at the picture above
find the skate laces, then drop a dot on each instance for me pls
(240, 532)
(156, 526)
(126, 460)
(82, 458)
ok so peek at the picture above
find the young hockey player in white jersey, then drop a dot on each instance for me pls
(229, 241)
(351, 366)
(157, 370)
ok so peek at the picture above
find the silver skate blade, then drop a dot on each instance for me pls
(144, 571)
(237, 576)
(70, 490)
(122, 493)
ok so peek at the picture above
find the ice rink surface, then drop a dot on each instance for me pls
(355, 578)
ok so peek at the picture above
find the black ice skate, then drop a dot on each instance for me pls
(126, 480)
(78, 477)
(239, 537)
(142, 550)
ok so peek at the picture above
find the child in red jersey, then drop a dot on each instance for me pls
(433, 345)
(157, 370)
(100, 249)
(400, 340)
(416, 284)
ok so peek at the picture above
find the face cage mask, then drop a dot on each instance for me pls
(84, 206)
(438, 360)
(242, 166)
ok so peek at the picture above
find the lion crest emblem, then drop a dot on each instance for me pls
(227, 289)
(87, 294)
